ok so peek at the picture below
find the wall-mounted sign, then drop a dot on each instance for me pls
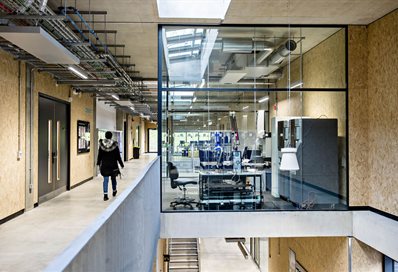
(83, 136)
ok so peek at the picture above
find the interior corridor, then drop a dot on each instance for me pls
(218, 255)
(38, 236)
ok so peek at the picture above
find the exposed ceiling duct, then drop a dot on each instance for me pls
(244, 46)
(96, 67)
(281, 53)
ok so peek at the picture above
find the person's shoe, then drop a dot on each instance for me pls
(114, 193)
(106, 197)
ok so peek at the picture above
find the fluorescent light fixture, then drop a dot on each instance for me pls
(198, 120)
(194, 99)
(115, 96)
(245, 107)
(219, 119)
(296, 84)
(39, 43)
(204, 125)
(210, 123)
(77, 71)
(190, 107)
(198, 9)
(262, 100)
(132, 108)
(244, 115)
(141, 114)
(182, 94)
(183, 120)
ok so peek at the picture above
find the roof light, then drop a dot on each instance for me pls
(245, 107)
(115, 96)
(205, 9)
(194, 99)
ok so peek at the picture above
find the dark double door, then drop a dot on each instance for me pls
(53, 148)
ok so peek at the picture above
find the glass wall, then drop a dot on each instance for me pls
(253, 118)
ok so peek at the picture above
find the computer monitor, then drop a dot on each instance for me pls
(255, 154)
(237, 160)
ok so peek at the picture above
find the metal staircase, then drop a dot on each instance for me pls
(184, 255)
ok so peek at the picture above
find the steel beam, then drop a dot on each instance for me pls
(110, 45)
(89, 82)
(33, 17)
(96, 31)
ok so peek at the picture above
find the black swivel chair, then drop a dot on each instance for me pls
(174, 182)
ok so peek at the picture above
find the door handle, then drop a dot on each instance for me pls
(50, 151)
(58, 153)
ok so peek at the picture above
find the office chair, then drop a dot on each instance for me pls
(174, 182)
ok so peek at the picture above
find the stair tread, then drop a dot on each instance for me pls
(183, 261)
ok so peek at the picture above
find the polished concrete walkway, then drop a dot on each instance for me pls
(30, 241)
(218, 255)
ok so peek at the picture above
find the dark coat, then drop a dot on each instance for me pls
(108, 156)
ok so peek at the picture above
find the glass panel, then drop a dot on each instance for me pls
(269, 130)
(247, 57)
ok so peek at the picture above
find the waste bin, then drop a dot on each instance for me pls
(136, 152)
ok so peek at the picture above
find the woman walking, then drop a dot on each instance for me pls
(108, 157)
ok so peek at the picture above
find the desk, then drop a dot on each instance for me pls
(228, 188)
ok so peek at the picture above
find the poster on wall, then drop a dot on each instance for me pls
(83, 136)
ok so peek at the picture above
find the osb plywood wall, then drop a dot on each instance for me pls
(383, 113)
(365, 258)
(314, 254)
(12, 171)
(358, 115)
(81, 165)
(373, 93)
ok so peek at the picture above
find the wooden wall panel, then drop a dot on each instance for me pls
(314, 254)
(358, 115)
(81, 165)
(365, 258)
(383, 113)
(12, 171)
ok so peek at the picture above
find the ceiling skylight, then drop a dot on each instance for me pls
(204, 9)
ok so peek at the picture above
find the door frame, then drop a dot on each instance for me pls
(125, 141)
(68, 125)
(147, 140)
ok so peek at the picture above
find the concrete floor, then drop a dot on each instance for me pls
(30, 241)
(217, 255)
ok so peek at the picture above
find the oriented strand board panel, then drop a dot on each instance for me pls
(81, 165)
(314, 254)
(358, 115)
(365, 258)
(383, 113)
(12, 171)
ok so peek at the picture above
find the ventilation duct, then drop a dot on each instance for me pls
(275, 75)
(244, 46)
(282, 52)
